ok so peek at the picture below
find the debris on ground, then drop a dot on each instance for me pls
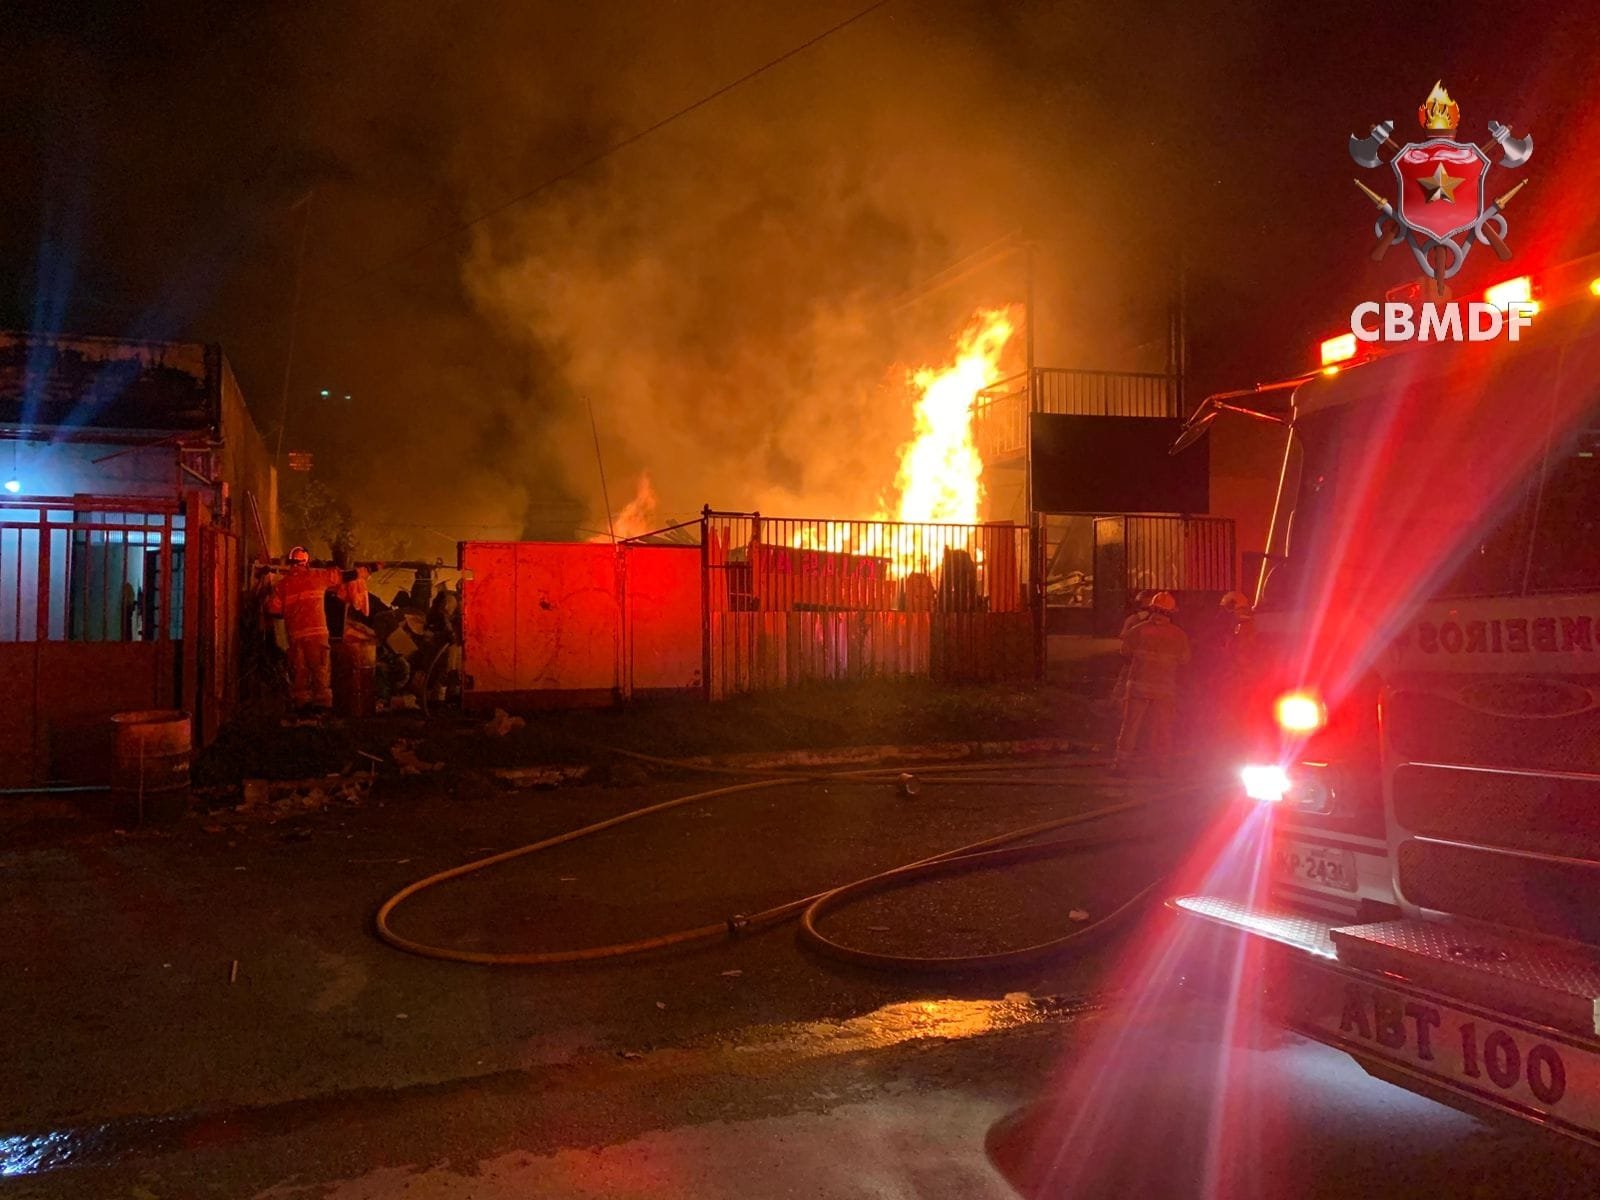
(1077, 914)
(525, 777)
(273, 800)
(503, 723)
(410, 763)
(732, 974)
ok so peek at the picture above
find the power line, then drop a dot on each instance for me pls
(607, 151)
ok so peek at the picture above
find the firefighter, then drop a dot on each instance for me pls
(299, 597)
(1156, 649)
(1139, 615)
(1241, 623)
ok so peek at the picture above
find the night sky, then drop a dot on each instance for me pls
(731, 294)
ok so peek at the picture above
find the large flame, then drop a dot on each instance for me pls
(941, 474)
(638, 516)
(940, 478)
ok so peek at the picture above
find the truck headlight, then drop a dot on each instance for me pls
(1266, 784)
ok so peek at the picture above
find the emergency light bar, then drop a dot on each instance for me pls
(1512, 291)
(1560, 284)
(1336, 350)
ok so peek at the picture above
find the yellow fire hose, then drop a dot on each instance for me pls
(988, 853)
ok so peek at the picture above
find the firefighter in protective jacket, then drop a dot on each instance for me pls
(1155, 650)
(299, 597)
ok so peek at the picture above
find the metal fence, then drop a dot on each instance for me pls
(1000, 414)
(1192, 557)
(73, 575)
(790, 600)
(1104, 393)
(92, 621)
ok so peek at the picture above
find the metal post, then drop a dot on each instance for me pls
(294, 319)
(1028, 391)
(705, 601)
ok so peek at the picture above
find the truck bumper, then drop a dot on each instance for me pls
(1476, 1018)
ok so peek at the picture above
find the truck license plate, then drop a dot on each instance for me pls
(1316, 866)
(1525, 1069)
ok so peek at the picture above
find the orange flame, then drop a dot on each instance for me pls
(940, 478)
(941, 474)
(638, 515)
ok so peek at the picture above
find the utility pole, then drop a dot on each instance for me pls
(294, 320)
(1028, 389)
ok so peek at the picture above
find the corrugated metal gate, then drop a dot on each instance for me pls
(576, 623)
(759, 603)
(1192, 557)
(793, 600)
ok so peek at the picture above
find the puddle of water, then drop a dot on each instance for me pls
(772, 1046)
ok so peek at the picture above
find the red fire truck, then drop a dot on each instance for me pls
(1422, 712)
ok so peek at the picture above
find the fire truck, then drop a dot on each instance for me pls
(1419, 751)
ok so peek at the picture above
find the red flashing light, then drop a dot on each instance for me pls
(1517, 291)
(1299, 712)
(1337, 350)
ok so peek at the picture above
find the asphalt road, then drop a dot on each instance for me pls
(333, 1066)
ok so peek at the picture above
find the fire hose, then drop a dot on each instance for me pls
(1010, 847)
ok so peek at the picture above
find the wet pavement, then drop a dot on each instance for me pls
(331, 1065)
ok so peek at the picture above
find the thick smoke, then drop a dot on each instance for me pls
(738, 299)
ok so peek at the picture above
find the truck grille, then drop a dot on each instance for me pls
(1555, 899)
(1545, 814)
(1514, 788)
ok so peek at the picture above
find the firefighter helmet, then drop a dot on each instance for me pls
(299, 557)
(1164, 602)
(1235, 603)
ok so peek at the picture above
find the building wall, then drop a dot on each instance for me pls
(245, 463)
(46, 468)
(125, 592)
(1246, 456)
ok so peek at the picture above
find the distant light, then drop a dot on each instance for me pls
(1266, 784)
(347, 396)
(1299, 712)
(1338, 349)
(1512, 291)
(326, 393)
(1594, 287)
(1330, 370)
(13, 486)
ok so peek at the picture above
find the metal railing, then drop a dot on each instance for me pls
(107, 575)
(790, 600)
(1193, 557)
(1000, 414)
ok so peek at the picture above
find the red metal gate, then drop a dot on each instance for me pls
(92, 622)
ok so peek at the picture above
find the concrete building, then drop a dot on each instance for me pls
(135, 490)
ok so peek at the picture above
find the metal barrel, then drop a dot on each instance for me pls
(150, 769)
(355, 666)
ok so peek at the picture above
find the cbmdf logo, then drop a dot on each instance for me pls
(1446, 201)
(1442, 187)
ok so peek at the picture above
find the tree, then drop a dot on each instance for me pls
(318, 519)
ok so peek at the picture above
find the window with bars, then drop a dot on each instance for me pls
(90, 576)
